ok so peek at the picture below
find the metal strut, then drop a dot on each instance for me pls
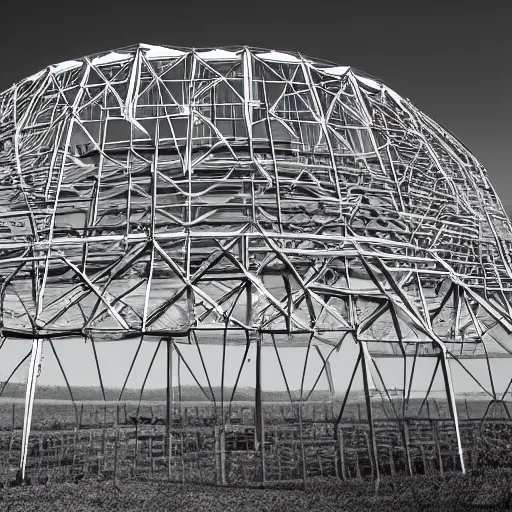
(364, 366)
(168, 409)
(258, 412)
(35, 360)
(453, 407)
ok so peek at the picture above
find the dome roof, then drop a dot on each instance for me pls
(223, 192)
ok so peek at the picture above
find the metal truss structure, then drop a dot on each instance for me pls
(242, 196)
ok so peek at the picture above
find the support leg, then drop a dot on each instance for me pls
(168, 399)
(35, 359)
(364, 366)
(258, 412)
(453, 407)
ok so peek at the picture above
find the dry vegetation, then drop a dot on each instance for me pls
(489, 490)
(486, 487)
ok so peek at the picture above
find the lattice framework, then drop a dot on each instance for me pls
(245, 196)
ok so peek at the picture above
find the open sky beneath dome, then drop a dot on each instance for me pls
(451, 59)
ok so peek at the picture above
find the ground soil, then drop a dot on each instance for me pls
(490, 490)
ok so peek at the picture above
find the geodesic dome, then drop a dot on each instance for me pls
(223, 196)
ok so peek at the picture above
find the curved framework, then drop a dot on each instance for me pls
(242, 196)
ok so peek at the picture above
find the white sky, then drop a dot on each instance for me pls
(115, 358)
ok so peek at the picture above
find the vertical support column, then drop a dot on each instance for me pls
(406, 440)
(179, 384)
(216, 433)
(222, 455)
(302, 449)
(373, 444)
(168, 413)
(341, 445)
(35, 359)
(451, 402)
(258, 412)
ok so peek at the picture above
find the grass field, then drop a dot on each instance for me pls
(490, 490)
(61, 414)
(53, 409)
(484, 487)
(205, 449)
